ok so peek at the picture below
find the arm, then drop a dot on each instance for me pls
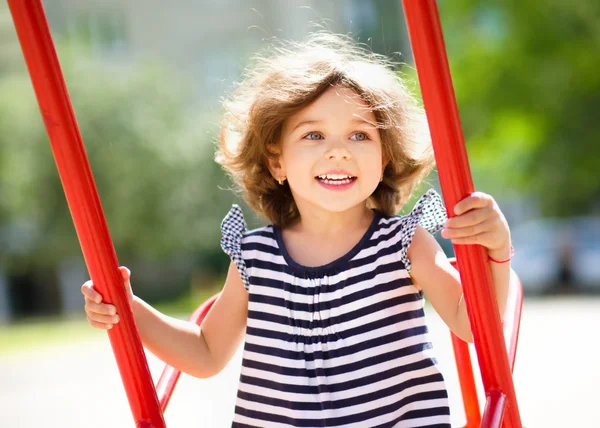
(432, 272)
(478, 221)
(201, 352)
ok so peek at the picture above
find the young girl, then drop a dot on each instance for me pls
(325, 141)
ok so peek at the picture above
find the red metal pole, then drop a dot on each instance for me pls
(84, 203)
(493, 414)
(455, 178)
(464, 367)
(466, 379)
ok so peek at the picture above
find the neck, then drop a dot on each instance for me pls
(327, 224)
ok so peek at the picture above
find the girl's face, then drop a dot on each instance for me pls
(331, 152)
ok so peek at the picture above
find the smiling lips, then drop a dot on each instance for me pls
(336, 181)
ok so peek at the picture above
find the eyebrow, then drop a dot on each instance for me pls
(357, 119)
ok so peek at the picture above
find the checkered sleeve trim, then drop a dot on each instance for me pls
(233, 227)
(429, 213)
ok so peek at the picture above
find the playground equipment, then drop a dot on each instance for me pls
(496, 348)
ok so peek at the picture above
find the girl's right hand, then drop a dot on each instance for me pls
(103, 315)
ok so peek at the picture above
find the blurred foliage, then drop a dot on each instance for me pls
(528, 87)
(525, 74)
(151, 152)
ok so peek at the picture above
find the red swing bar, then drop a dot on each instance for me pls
(84, 203)
(455, 178)
(511, 325)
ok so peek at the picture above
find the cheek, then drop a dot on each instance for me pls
(371, 158)
(297, 163)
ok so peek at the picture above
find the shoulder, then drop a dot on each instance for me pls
(423, 245)
(262, 239)
(264, 232)
(387, 226)
(427, 217)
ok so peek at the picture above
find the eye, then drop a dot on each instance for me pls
(359, 136)
(313, 136)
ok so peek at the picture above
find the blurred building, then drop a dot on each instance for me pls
(211, 40)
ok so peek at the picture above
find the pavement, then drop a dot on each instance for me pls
(76, 385)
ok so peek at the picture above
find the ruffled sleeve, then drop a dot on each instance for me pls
(233, 227)
(429, 213)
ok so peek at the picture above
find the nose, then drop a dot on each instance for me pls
(337, 150)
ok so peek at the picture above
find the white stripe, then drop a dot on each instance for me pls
(337, 344)
(346, 411)
(325, 315)
(417, 422)
(260, 239)
(391, 227)
(410, 423)
(322, 296)
(359, 390)
(329, 280)
(256, 235)
(331, 362)
(372, 250)
(258, 422)
(262, 256)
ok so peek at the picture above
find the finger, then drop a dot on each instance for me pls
(475, 200)
(125, 273)
(470, 218)
(99, 325)
(479, 239)
(100, 308)
(465, 232)
(87, 289)
(103, 319)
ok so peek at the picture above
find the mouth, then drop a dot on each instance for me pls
(336, 179)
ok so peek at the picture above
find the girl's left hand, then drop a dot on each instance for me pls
(478, 220)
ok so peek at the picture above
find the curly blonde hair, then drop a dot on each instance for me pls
(290, 77)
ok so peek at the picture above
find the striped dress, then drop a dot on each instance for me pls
(343, 344)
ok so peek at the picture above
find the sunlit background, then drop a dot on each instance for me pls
(146, 79)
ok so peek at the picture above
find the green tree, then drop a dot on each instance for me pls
(10, 54)
(528, 87)
(151, 152)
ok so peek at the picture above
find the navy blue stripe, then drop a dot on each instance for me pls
(355, 418)
(392, 224)
(262, 247)
(309, 290)
(333, 337)
(266, 231)
(422, 413)
(345, 402)
(331, 371)
(265, 382)
(361, 293)
(339, 319)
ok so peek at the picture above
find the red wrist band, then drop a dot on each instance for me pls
(512, 253)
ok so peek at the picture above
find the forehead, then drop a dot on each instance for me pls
(336, 103)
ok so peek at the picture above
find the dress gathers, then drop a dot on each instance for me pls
(339, 345)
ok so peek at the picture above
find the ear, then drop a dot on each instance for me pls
(384, 163)
(276, 168)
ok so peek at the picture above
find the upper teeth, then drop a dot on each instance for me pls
(335, 176)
